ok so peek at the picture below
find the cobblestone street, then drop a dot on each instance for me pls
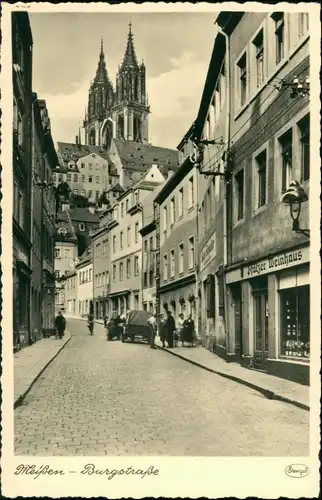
(109, 398)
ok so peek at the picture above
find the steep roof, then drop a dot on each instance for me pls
(101, 77)
(147, 204)
(83, 215)
(86, 256)
(64, 222)
(136, 156)
(69, 151)
(117, 188)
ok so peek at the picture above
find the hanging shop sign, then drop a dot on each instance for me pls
(208, 253)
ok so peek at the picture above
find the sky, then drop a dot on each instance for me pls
(175, 47)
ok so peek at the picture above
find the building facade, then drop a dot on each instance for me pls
(210, 132)
(267, 274)
(178, 237)
(22, 45)
(101, 266)
(84, 270)
(71, 294)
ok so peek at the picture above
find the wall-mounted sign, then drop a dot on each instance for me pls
(208, 253)
(277, 263)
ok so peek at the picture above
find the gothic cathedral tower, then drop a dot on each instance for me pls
(100, 102)
(130, 111)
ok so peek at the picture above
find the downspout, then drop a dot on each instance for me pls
(197, 263)
(226, 198)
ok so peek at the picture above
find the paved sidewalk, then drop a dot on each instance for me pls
(270, 386)
(31, 361)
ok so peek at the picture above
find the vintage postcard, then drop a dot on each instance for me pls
(160, 250)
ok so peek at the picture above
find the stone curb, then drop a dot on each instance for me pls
(269, 394)
(19, 399)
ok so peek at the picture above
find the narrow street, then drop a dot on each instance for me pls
(109, 398)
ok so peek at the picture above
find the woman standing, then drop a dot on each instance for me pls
(180, 329)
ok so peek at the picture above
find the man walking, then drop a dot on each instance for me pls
(152, 324)
(170, 328)
(60, 325)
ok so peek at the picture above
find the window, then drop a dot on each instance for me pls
(180, 269)
(121, 240)
(145, 246)
(136, 232)
(239, 180)
(90, 178)
(75, 191)
(180, 202)
(75, 178)
(83, 192)
(98, 249)
(57, 253)
(86, 275)
(304, 128)
(114, 272)
(90, 274)
(286, 156)
(191, 252)
(165, 267)
(97, 195)
(151, 243)
(83, 178)
(121, 270)
(128, 268)
(191, 192)
(90, 193)
(303, 23)
(97, 179)
(67, 253)
(278, 18)
(165, 219)
(259, 48)
(17, 123)
(57, 274)
(82, 166)
(81, 226)
(261, 169)
(172, 263)
(126, 205)
(145, 279)
(69, 177)
(172, 211)
(90, 166)
(136, 265)
(129, 236)
(295, 322)
(122, 209)
(242, 76)
(114, 244)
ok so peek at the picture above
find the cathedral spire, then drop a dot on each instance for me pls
(101, 72)
(129, 56)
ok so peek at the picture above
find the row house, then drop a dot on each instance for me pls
(126, 244)
(177, 237)
(22, 176)
(84, 279)
(101, 263)
(262, 115)
(43, 209)
(71, 294)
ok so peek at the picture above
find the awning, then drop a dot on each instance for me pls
(121, 292)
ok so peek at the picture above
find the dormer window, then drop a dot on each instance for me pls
(82, 226)
(93, 156)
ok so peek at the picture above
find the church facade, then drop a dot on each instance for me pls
(120, 112)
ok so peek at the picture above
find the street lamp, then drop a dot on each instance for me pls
(294, 196)
(299, 87)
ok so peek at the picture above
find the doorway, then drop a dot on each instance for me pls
(260, 301)
(237, 301)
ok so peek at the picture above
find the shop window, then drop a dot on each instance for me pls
(210, 296)
(295, 322)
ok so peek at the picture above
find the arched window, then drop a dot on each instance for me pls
(92, 137)
(120, 127)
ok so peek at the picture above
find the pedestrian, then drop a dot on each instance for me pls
(189, 329)
(106, 320)
(60, 325)
(180, 328)
(162, 330)
(152, 324)
(90, 322)
(170, 328)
